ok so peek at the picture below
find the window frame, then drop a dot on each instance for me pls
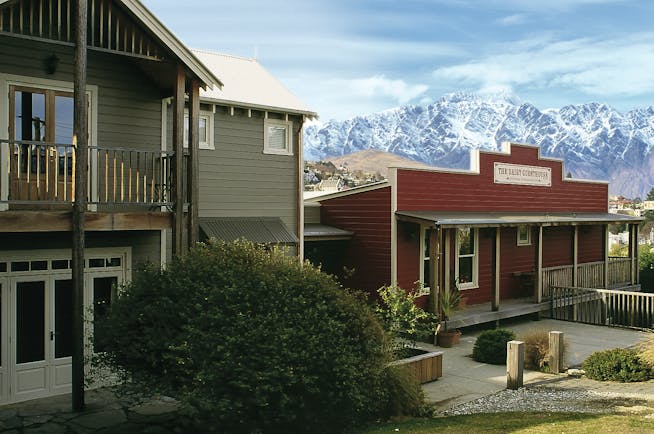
(210, 120)
(474, 283)
(425, 256)
(287, 125)
(519, 241)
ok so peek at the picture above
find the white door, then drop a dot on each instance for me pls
(30, 338)
(61, 336)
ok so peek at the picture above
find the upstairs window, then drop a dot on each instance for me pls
(467, 264)
(277, 137)
(205, 131)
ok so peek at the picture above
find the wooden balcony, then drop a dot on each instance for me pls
(37, 182)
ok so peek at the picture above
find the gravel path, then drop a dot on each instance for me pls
(566, 394)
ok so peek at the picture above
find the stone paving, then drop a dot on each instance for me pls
(104, 413)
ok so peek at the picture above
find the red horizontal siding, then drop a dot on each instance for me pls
(590, 244)
(408, 254)
(368, 216)
(557, 246)
(516, 259)
(448, 191)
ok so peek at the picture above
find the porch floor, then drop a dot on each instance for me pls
(481, 313)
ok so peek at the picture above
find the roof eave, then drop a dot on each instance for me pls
(172, 42)
(220, 101)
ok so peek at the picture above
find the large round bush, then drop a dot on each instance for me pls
(618, 364)
(490, 346)
(253, 340)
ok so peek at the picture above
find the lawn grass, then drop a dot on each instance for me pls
(519, 423)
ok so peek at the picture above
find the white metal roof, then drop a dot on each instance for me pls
(247, 83)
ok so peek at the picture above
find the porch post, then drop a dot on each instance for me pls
(193, 168)
(447, 280)
(495, 305)
(178, 164)
(80, 142)
(575, 260)
(606, 256)
(434, 266)
(633, 245)
(539, 266)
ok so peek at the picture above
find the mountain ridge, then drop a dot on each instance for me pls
(594, 140)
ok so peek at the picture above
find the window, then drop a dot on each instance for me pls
(467, 241)
(524, 236)
(424, 261)
(205, 130)
(277, 137)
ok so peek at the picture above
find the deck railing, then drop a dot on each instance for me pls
(43, 173)
(589, 275)
(603, 306)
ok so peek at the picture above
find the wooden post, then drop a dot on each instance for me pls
(193, 168)
(556, 352)
(636, 272)
(515, 360)
(178, 163)
(539, 266)
(633, 252)
(434, 289)
(606, 256)
(495, 305)
(575, 259)
(80, 141)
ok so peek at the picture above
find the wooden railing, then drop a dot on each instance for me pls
(589, 275)
(603, 306)
(43, 173)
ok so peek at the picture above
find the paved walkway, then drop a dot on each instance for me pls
(466, 380)
(463, 380)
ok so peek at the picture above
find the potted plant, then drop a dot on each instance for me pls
(450, 302)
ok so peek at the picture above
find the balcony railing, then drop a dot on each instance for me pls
(43, 173)
(589, 275)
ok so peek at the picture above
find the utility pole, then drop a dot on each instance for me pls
(80, 144)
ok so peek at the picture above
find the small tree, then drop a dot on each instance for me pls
(252, 341)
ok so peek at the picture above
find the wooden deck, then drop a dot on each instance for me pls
(482, 313)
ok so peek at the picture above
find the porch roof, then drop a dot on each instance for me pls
(320, 232)
(494, 219)
(256, 229)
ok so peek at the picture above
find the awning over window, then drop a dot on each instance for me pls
(318, 232)
(269, 230)
(493, 219)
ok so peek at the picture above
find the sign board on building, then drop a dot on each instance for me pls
(522, 175)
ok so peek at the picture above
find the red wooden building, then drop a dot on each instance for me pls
(511, 227)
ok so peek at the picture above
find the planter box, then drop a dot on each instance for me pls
(426, 367)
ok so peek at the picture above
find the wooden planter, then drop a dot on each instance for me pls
(425, 367)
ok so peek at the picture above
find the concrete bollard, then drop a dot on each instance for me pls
(556, 352)
(515, 362)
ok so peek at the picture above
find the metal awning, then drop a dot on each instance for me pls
(319, 232)
(269, 230)
(493, 219)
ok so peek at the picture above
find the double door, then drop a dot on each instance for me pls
(38, 345)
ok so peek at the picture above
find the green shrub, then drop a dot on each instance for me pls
(403, 320)
(490, 346)
(403, 395)
(251, 341)
(618, 364)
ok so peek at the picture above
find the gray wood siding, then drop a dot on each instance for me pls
(145, 244)
(239, 180)
(129, 104)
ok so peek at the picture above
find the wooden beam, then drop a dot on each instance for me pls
(495, 303)
(575, 257)
(80, 139)
(62, 221)
(178, 163)
(434, 289)
(539, 266)
(193, 169)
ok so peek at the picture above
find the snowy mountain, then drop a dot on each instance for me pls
(594, 140)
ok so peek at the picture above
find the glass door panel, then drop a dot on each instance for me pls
(63, 327)
(30, 322)
(104, 290)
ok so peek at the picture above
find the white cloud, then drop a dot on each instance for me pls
(606, 67)
(379, 85)
(512, 20)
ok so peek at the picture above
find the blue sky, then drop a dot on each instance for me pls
(349, 57)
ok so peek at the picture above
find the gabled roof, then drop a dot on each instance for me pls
(153, 24)
(247, 83)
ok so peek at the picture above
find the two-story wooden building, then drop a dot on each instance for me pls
(513, 226)
(145, 91)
